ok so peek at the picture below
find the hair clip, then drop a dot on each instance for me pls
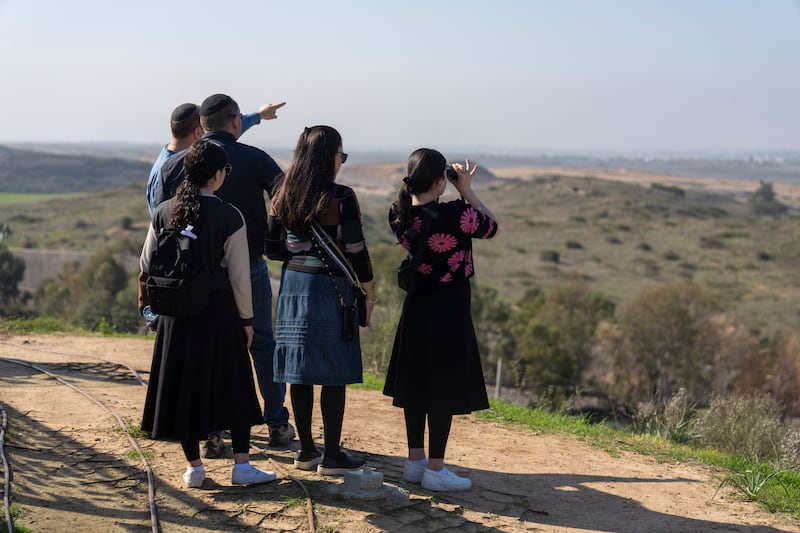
(407, 180)
(306, 130)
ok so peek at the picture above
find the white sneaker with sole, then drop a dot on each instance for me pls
(249, 475)
(444, 480)
(414, 470)
(194, 478)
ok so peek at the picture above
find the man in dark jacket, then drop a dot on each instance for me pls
(253, 173)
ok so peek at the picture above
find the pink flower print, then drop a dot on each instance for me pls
(441, 242)
(416, 225)
(491, 228)
(405, 244)
(425, 268)
(469, 221)
(447, 278)
(455, 260)
(468, 268)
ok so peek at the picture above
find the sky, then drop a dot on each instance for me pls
(500, 75)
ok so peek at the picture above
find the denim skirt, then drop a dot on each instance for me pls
(310, 347)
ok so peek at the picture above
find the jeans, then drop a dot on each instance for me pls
(263, 348)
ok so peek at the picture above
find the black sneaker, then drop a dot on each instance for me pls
(305, 460)
(337, 467)
(281, 436)
(215, 447)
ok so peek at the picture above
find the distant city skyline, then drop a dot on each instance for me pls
(620, 76)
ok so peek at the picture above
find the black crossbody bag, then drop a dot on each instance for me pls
(407, 271)
(358, 307)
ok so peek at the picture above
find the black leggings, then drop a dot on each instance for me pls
(438, 431)
(332, 399)
(239, 437)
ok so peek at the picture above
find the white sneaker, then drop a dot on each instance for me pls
(444, 480)
(414, 470)
(194, 478)
(249, 475)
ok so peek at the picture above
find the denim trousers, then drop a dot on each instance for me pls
(263, 348)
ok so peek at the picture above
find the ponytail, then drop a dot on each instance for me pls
(186, 209)
(402, 210)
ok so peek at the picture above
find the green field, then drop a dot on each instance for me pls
(9, 198)
(618, 237)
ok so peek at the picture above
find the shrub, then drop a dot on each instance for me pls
(711, 243)
(671, 189)
(743, 425)
(666, 327)
(673, 421)
(574, 245)
(763, 202)
(553, 335)
(550, 256)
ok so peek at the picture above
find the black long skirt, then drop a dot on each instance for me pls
(201, 377)
(435, 364)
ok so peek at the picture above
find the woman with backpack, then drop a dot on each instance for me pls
(316, 327)
(435, 368)
(201, 352)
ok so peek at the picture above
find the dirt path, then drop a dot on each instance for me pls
(71, 470)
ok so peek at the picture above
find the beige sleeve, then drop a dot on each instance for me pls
(147, 249)
(237, 261)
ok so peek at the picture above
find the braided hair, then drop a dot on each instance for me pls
(202, 161)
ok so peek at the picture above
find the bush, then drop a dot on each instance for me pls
(550, 256)
(673, 421)
(763, 202)
(574, 245)
(671, 189)
(743, 425)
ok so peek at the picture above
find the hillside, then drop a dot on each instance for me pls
(619, 236)
(27, 171)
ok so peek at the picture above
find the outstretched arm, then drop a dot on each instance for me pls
(265, 112)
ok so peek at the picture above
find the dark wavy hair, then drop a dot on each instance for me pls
(202, 161)
(303, 194)
(425, 168)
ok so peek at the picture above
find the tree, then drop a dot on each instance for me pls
(763, 201)
(553, 335)
(11, 272)
(667, 327)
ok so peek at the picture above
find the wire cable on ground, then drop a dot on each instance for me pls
(122, 424)
(130, 368)
(6, 473)
(284, 472)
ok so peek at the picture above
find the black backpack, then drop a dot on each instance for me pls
(177, 284)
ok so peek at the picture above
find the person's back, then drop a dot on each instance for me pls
(253, 173)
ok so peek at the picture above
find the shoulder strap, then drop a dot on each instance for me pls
(326, 244)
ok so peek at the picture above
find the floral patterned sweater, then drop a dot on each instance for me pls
(447, 257)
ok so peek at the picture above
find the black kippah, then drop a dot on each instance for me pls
(214, 103)
(183, 111)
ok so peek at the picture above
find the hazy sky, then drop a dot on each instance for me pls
(708, 75)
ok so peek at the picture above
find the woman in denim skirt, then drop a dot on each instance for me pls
(317, 341)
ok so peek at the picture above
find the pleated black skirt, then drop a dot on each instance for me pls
(201, 378)
(435, 364)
